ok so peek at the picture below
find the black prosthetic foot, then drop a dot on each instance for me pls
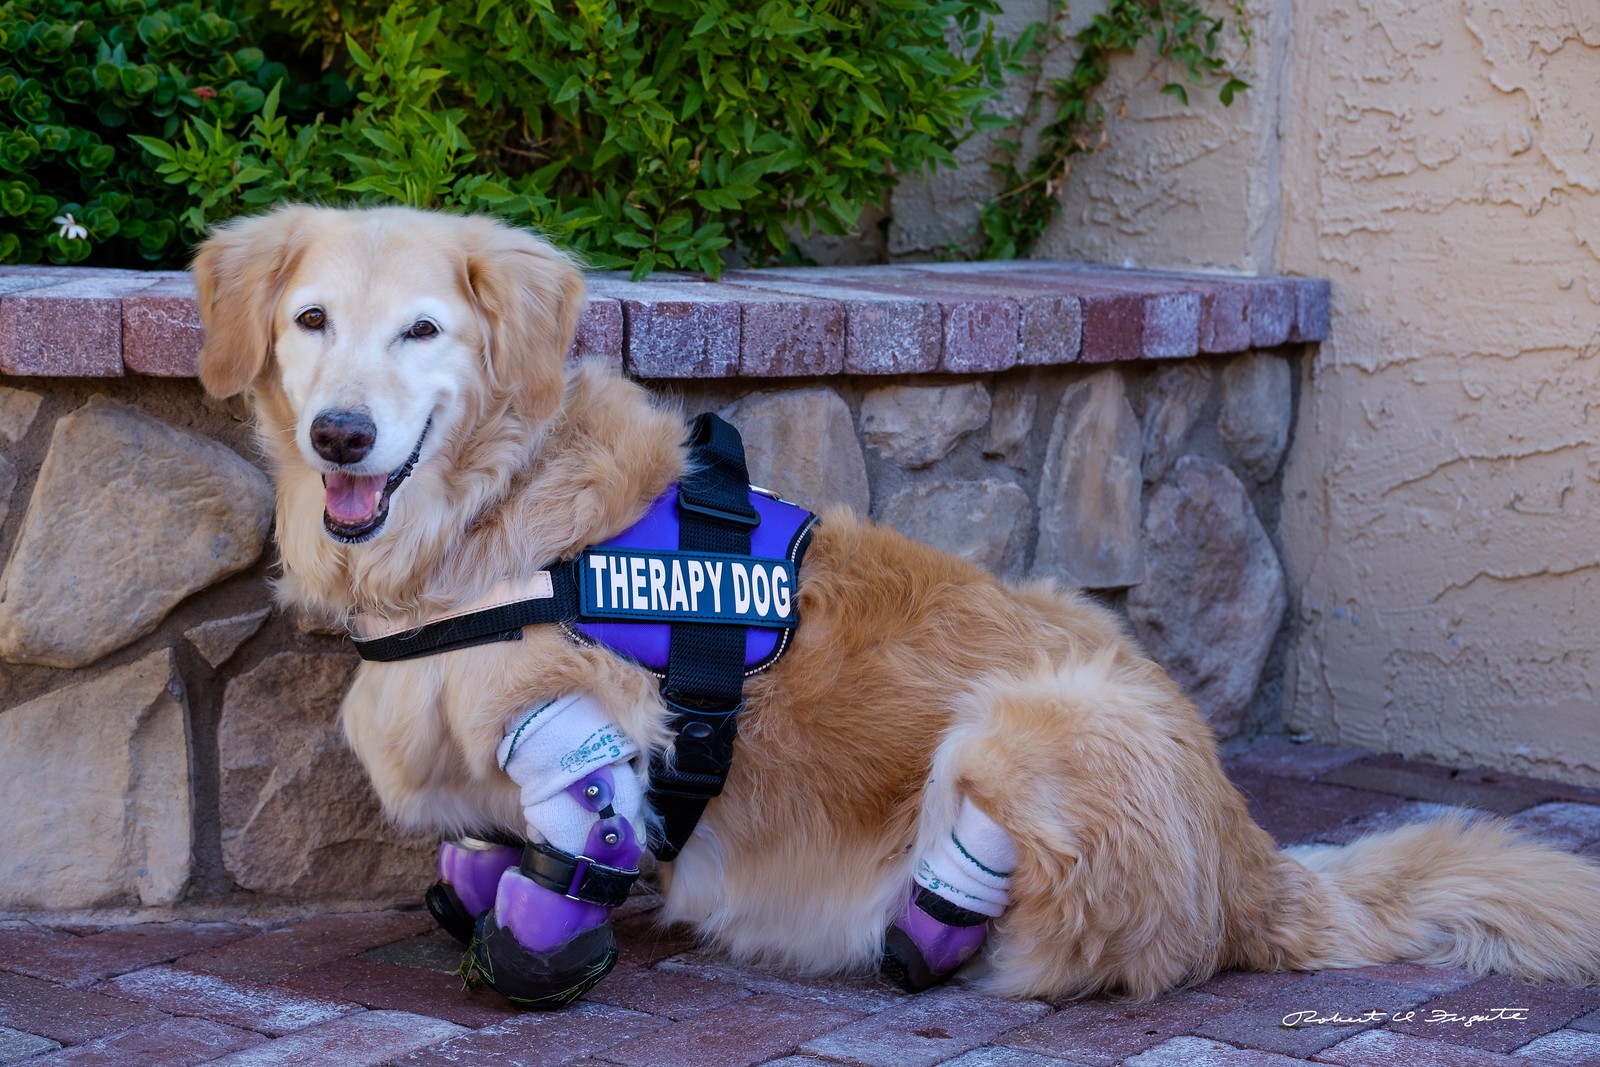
(448, 911)
(542, 981)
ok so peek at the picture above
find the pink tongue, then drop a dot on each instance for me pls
(353, 499)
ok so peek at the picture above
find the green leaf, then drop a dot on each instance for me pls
(873, 100)
(493, 191)
(629, 239)
(569, 90)
(386, 142)
(357, 53)
(155, 146)
(376, 183)
(644, 266)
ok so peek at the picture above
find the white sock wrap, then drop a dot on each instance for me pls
(971, 868)
(554, 745)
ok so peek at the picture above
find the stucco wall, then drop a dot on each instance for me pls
(1438, 163)
(1441, 169)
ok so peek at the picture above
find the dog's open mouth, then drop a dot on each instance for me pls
(357, 505)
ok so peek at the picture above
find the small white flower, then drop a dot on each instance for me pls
(71, 229)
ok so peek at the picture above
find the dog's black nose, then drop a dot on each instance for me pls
(343, 436)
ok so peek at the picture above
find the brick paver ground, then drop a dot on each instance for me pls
(378, 989)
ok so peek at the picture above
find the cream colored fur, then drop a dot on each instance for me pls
(913, 680)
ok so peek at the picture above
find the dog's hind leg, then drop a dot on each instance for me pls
(547, 939)
(960, 884)
(1129, 840)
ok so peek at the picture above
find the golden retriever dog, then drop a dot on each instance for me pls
(916, 686)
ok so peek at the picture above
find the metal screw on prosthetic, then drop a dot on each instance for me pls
(469, 872)
(548, 938)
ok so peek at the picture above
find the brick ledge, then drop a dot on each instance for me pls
(954, 318)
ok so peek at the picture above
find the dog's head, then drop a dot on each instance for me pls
(370, 338)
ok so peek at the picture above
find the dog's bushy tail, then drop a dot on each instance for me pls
(1458, 892)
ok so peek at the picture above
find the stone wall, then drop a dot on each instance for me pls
(167, 738)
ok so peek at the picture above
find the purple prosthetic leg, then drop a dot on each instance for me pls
(469, 871)
(548, 939)
(931, 938)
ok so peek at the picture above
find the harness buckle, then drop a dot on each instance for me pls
(701, 754)
(580, 873)
(704, 744)
(700, 506)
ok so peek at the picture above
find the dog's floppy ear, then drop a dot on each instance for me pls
(530, 295)
(239, 274)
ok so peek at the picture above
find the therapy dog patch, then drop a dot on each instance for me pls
(634, 585)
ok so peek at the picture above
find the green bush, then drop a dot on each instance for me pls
(650, 135)
(77, 79)
(646, 134)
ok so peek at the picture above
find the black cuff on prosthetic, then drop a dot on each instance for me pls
(577, 877)
(941, 910)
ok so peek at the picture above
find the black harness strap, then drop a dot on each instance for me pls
(705, 671)
(503, 623)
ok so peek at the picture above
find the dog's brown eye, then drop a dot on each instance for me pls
(422, 328)
(312, 318)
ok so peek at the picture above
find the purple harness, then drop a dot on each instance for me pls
(783, 533)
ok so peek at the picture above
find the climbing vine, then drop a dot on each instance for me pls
(1187, 41)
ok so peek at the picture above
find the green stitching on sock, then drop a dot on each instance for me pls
(525, 723)
(974, 860)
